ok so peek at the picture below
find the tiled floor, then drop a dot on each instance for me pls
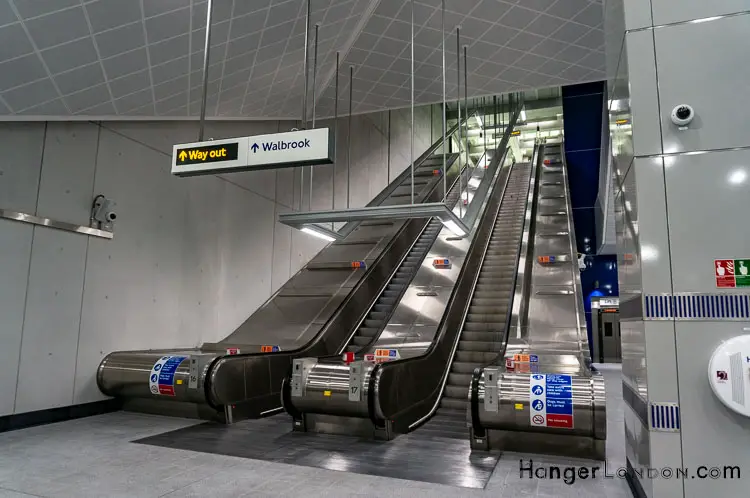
(95, 457)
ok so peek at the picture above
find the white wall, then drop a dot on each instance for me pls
(191, 258)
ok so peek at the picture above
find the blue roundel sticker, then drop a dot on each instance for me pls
(536, 377)
(157, 367)
(537, 390)
(154, 378)
(537, 405)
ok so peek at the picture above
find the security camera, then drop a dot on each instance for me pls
(682, 115)
(103, 211)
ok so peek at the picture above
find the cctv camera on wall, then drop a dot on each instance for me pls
(682, 115)
(103, 212)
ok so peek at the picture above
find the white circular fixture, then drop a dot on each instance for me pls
(729, 374)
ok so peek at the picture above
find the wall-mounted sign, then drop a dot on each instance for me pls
(269, 349)
(277, 150)
(731, 273)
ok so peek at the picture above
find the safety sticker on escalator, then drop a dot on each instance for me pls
(161, 379)
(551, 401)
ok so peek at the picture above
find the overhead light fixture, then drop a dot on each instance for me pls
(318, 232)
(523, 115)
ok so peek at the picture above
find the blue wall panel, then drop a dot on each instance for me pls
(582, 114)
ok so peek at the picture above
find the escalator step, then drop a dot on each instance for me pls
(455, 404)
(377, 315)
(456, 392)
(459, 379)
(501, 308)
(475, 356)
(384, 308)
(482, 346)
(493, 288)
(367, 331)
(482, 326)
(465, 367)
(378, 324)
(487, 317)
(470, 335)
(361, 341)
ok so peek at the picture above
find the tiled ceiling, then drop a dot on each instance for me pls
(144, 57)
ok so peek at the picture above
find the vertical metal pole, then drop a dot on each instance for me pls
(411, 154)
(349, 136)
(315, 75)
(303, 123)
(484, 125)
(207, 47)
(466, 99)
(335, 134)
(442, 33)
(494, 120)
(315, 72)
(458, 105)
(306, 69)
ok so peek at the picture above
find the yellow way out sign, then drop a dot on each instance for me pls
(208, 154)
(275, 150)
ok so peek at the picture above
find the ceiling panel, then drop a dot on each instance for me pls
(144, 57)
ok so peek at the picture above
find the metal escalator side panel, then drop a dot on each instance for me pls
(134, 382)
(257, 368)
(412, 384)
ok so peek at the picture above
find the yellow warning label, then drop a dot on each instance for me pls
(326, 393)
(519, 406)
(179, 381)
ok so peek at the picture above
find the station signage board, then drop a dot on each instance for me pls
(276, 150)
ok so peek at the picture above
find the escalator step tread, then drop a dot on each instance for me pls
(475, 356)
(361, 340)
(459, 379)
(457, 404)
(481, 346)
(367, 331)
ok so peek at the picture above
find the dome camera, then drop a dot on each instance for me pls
(682, 115)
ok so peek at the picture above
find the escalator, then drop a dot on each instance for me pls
(358, 395)
(311, 314)
(482, 337)
(542, 394)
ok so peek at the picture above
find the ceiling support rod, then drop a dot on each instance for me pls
(466, 101)
(303, 122)
(335, 134)
(442, 33)
(458, 104)
(209, 14)
(349, 136)
(411, 154)
(315, 75)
